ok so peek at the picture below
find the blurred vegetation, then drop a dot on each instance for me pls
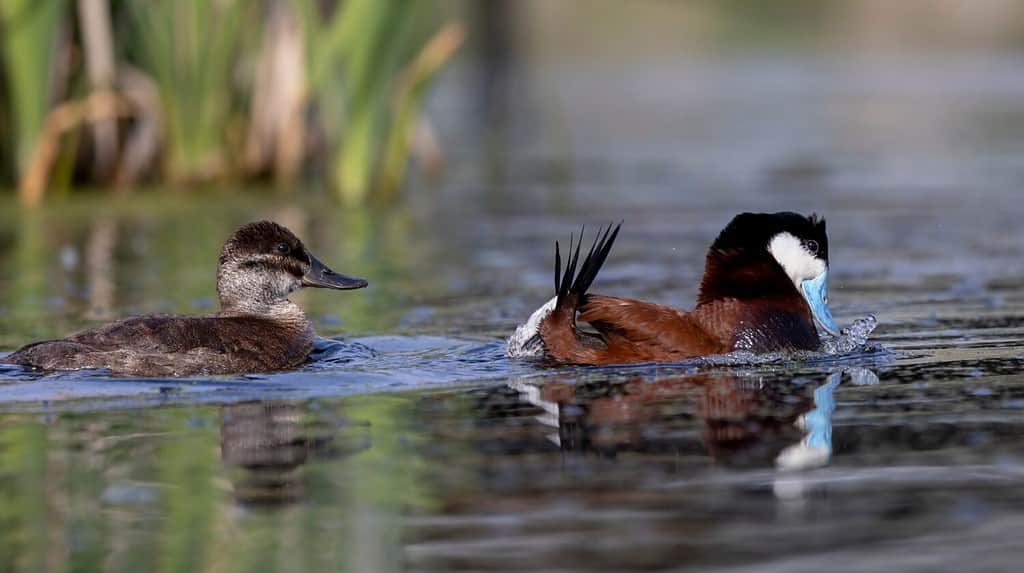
(366, 46)
(30, 30)
(190, 48)
(111, 93)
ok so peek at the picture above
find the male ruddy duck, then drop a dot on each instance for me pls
(257, 330)
(765, 285)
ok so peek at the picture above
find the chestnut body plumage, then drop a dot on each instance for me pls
(764, 287)
(257, 330)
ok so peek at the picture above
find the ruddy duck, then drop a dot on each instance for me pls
(257, 330)
(765, 285)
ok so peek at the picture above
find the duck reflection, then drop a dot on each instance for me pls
(736, 420)
(271, 442)
(815, 448)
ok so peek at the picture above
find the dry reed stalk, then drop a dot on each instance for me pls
(98, 106)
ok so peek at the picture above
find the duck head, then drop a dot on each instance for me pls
(262, 263)
(771, 256)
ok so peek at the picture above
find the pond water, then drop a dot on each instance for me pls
(412, 443)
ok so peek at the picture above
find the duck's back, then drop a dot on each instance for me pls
(177, 346)
(638, 331)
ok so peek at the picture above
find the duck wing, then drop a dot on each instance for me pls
(268, 341)
(168, 333)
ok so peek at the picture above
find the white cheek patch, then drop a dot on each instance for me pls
(795, 259)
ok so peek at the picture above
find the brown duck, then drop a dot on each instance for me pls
(257, 330)
(765, 286)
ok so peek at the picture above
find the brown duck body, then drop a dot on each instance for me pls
(178, 346)
(258, 330)
(630, 331)
(747, 301)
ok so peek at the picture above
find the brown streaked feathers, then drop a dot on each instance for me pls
(176, 346)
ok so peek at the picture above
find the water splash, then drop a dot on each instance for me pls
(852, 338)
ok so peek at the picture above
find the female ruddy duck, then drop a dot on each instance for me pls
(257, 330)
(765, 285)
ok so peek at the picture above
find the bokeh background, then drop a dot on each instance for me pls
(310, 95)
(438, 148)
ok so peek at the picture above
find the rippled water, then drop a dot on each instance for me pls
(412, 443)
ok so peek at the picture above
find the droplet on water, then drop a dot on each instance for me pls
(862, 376)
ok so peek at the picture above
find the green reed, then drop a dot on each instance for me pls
(356, 58)
(368, 63)
(191, 50)
(29, 31)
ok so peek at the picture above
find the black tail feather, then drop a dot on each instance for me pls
(568, 282)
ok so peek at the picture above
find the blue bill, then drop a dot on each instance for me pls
(816, 292)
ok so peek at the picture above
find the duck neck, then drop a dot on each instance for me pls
(740, 275)
(241, 294)
(281, 310)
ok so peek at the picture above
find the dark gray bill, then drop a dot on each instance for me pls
(322, 277)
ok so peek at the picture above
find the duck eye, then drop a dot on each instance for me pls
(283, 248)
(812, 246)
